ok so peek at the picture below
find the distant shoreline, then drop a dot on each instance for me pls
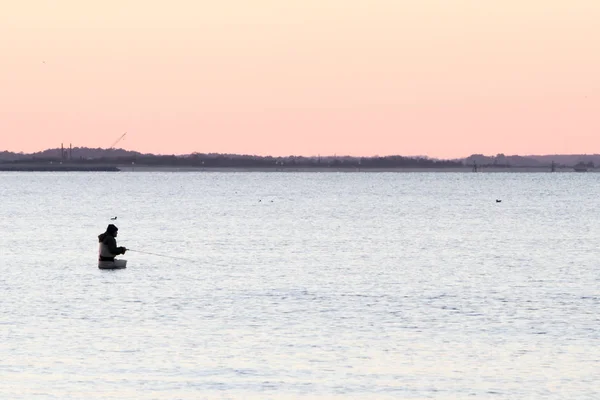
(129, 168)
(117, 167)
(164, 168)
(58, 167)
(113, 159)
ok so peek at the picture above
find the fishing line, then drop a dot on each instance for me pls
(162, 255)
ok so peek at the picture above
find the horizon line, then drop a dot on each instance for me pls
(303, 155)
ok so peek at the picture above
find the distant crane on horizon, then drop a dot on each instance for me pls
(117, 141)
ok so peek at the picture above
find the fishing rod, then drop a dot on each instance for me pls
(161, 255)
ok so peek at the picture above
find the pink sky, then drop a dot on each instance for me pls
(444, 78)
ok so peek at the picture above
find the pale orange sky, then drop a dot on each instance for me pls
(445, 78)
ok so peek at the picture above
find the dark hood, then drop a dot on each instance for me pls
(110, 231)
(103, 236)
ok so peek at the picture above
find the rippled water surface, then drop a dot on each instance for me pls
(301, 285)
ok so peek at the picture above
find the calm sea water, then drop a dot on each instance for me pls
(301, 285)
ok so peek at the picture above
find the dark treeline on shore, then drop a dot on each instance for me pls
(249, 161)
(83, 156)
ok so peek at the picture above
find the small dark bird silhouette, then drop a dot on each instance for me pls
(113, 218)
(498, 201)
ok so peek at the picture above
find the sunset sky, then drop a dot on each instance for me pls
(444, 78)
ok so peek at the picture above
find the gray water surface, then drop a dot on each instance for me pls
(301, 285)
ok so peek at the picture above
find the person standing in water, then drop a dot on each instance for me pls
(108, 244)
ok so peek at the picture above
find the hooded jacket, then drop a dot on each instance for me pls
(108, 245)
